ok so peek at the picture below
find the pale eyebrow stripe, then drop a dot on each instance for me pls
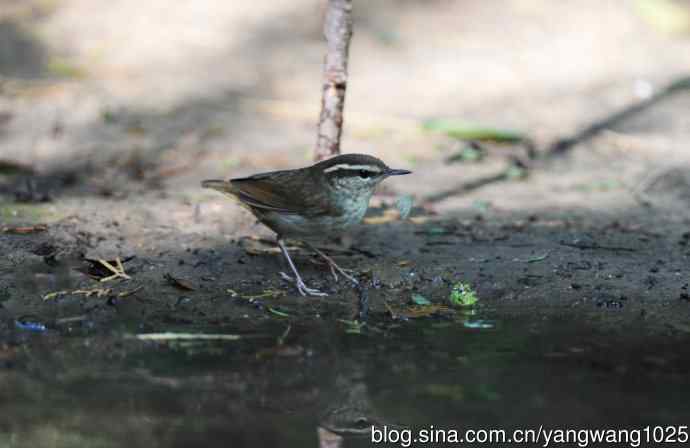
(345, 166)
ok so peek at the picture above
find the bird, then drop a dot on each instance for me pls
(310, 204)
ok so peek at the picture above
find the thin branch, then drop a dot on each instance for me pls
(564, 145)
(338, 31)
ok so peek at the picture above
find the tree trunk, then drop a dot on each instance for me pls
(338, 31)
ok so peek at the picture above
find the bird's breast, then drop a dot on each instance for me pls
(315, 227)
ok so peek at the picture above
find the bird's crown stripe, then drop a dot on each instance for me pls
(345, 166)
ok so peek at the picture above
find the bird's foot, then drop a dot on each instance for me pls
(335, 269)
(302, 287)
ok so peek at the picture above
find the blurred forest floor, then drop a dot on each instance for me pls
(112, 112)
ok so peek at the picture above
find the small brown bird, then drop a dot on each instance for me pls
(312, 203)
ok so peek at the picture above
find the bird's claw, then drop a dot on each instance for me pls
(335, 275)
(343, 272)
(302, 287)
(335, 269)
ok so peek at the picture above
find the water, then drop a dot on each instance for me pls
(83, 388)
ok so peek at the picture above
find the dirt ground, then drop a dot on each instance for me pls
(118, 149)
(111, 113)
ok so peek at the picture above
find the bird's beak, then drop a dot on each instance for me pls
(397, 172)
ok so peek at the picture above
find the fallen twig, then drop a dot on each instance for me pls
(69, 320)
(281, 339)
(130, 292)
(392, 312)
(598, 247)
(98, 292)
(187, 337)
(535, 259)
(362, 303)
(118, 272)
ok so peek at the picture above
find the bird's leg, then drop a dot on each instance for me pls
(299, 283)
(334, 266)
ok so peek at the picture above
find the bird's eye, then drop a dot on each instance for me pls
(364, 174)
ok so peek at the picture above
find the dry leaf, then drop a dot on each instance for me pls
(415, 312)
(179, 283)
(23, 230)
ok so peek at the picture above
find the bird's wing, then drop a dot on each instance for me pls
(268, 191)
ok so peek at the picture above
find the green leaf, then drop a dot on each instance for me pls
(515, 172)
(64, 68)
(436, 230)
(481, 205)
(600, 185)
(419, 299)
(467, 131)
(462, 294)
(467, 154)
(478, 324)
(277, 312)
(455, 392)
(665, 15)
(538, 258)
(404, 205)
(353, 326)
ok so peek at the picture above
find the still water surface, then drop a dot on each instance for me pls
(80, 388)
